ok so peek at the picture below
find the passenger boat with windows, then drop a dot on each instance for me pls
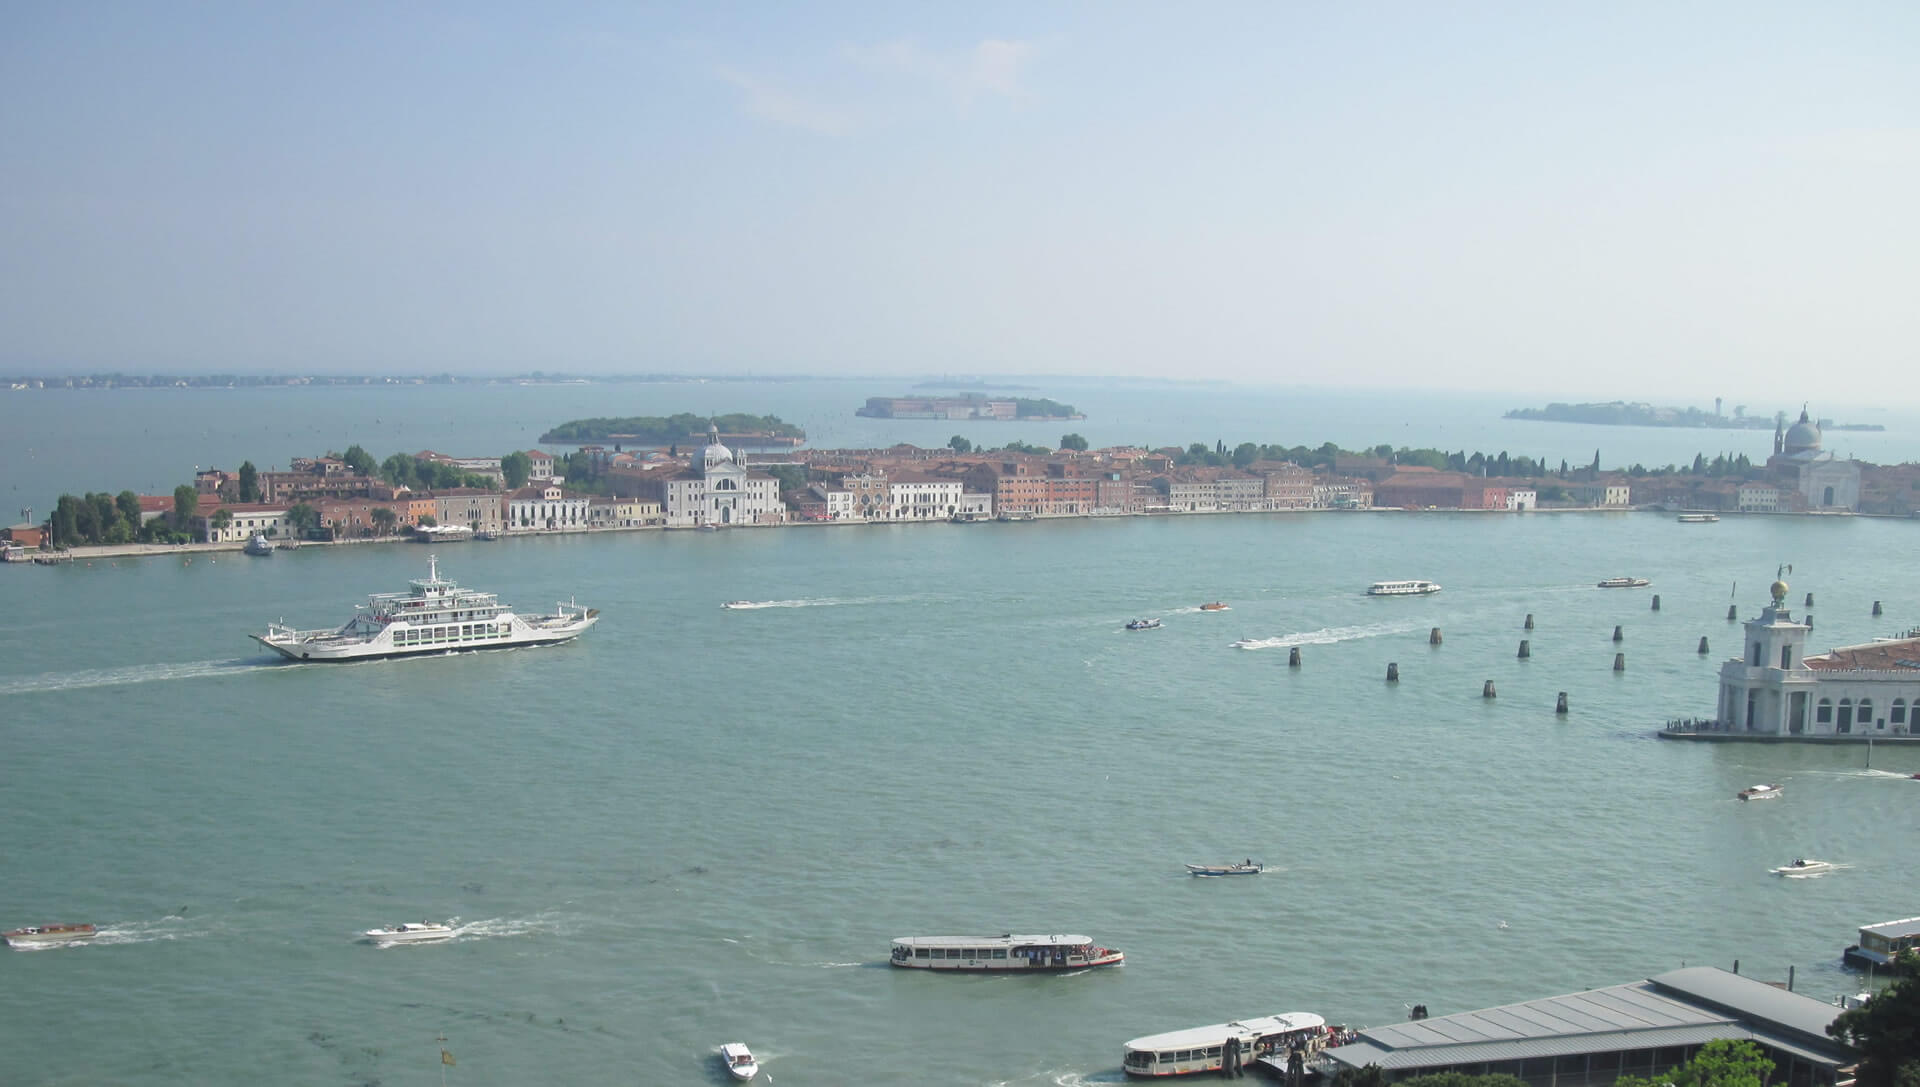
(408, 932)
(1761, 792)
(47, 935)
(1248, 867)
(1625, 583)
(434, 616)
(1402, 588)
(739, 1061)
(1225, 1047)
(1007, 951)
(1698, 518)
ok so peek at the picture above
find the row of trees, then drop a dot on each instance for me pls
(103, 519)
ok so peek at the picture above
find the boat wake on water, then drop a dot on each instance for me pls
(809, 602)
(117, 677)
(1327, 636)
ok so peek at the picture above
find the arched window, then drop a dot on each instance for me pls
(1898, 714)
(1823, 713)
(1865, 713)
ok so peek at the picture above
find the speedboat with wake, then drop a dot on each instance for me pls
(1761, 792)
(1804, 866)
(410, 932)
(1143, 624)
(1248, 867)
(739, 1061)
(48, 935)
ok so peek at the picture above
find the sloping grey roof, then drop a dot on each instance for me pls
(1893, 929)
(1759, 1004)
(1684, 1007)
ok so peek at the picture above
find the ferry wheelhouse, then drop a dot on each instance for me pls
(1402, 588)
(434, 616)
(1225, 1046)
(1004, 952)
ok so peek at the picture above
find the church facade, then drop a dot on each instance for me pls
(718, 490)
(1799, 466)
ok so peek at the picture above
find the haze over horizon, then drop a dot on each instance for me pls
(1629, 201)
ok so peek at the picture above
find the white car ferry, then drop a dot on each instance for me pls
(1225, 1046)
(435, 616)
(1402, 588)
(1004, 952)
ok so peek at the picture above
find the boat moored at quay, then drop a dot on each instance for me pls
(1225, 1047)
(434, 616)
(1008, 951)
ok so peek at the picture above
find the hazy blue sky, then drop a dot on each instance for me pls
(1648, 200)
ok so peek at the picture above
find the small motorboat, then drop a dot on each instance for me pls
(1245, 643)
(408, 932)
(259, 545)
(1803, 866)
(1248, 867)
(1624, 583)
(1761, 792)
(735, 605)
(739, 1061)
(1143, 624)
(1215, 606)
(45, 935)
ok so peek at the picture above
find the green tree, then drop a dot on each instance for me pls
(1726, 1062)
(304, 519)
(1074, 442)
(249, 482)
(399, 470)
(792, 477)
(516, 467)
(220, 520)
(1244, 454)
(358, 460)
(1370, 1076)
(186, 503)
(1461, 1079)
(428, 520)
(959, 444)
(129, 506)
(1886, 1030)
(383, 519)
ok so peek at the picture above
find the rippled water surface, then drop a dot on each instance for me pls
(699, 824)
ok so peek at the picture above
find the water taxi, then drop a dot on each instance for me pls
(739, 1061)
(441, 533)
(1215, 606)
(1007, 951)
(45, 935)
(1624, 583)
(1804, 866)
(1143, 624)
(1761, 792)
(1402, 588)
(408, 932)
(434, 616)
(1224, 1047)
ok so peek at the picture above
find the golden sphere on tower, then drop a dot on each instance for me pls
(1779, 590)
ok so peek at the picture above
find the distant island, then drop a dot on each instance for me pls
(1621, 413)
(971, 383)
(677, 429)
(968, 409)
